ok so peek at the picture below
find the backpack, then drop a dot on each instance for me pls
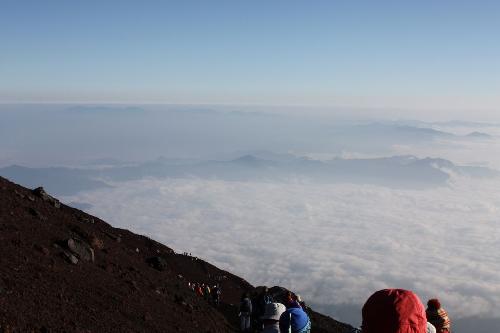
(268, 299)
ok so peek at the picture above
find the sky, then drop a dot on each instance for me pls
(425, 56)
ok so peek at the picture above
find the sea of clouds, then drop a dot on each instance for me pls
(333, 244)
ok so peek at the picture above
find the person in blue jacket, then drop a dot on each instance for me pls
(295, 320)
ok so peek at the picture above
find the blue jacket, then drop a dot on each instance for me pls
(295, 320)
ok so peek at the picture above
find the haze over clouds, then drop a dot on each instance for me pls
(48, 135)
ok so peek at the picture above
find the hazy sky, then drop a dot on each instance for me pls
(420, 55)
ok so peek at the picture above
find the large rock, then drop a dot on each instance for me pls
(70, 257)
(157, 263)
(81, 249)
(40, 192)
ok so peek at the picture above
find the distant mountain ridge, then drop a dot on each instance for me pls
(396, 172)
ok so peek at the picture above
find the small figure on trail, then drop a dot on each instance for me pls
(437, 316)
(199, 290)
(216, 291)
(268, 298)
(245, 313)
(271, 317)
(206, 292)
(295, 320)
(394, 311)
(262, 300)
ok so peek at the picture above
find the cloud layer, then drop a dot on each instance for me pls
(334, 244)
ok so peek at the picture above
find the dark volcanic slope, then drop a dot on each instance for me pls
(133, 284)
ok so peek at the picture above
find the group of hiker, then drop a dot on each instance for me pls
(211, 295)
(386, 311)
(264, 314)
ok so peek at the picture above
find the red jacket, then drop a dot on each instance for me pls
(394, 311)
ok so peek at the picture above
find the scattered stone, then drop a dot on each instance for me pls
(42, 249)
(31, 198)
(137, 250)
(116, 238)
(37, 214)
(133, 269)
(87, 219)
(81, 249)
(40, 192)
(133, 284)
(19, 194)
(70, 257)
(157, 263)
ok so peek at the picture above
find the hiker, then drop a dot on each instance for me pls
(216, 291)
(262, 300)
(206, 292)
(394, 311)
(245, 312)
(295, 320)
(198, 290)
(271, 317)
(437, 316)
(291, 301)
(265, 298)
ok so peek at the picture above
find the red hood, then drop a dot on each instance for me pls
(394, 311)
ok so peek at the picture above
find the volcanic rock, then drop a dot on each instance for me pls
(81, 249)
(57, 290)
(40, 192)
(157, 263)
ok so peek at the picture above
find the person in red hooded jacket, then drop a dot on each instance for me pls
(394, 311)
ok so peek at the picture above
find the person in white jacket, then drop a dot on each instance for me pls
(271, 317)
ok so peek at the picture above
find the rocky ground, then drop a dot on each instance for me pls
(62, 270)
